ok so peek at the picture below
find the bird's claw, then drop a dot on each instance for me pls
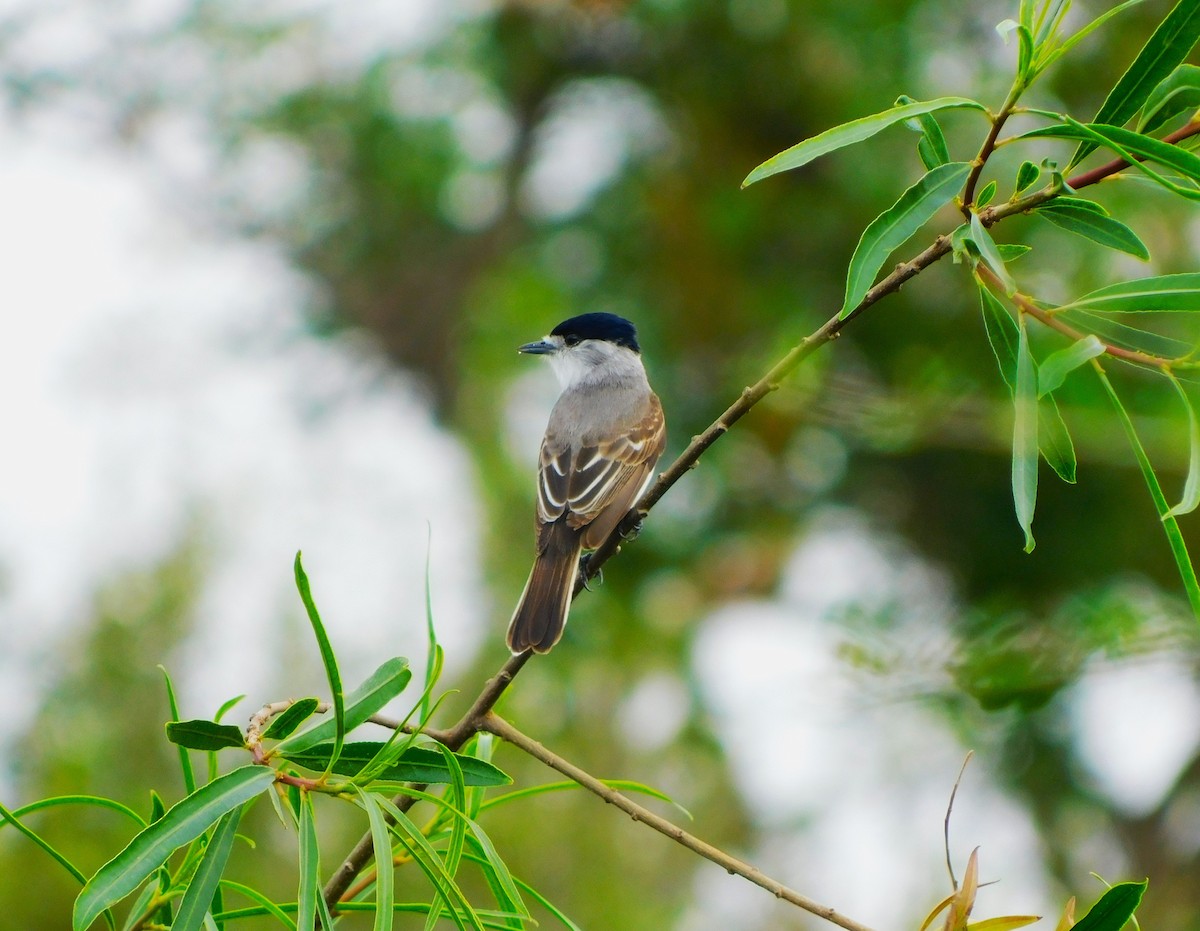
(584, 576)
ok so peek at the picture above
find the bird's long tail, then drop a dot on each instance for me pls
(541, 614)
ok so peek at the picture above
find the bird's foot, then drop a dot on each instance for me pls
(584, 576)
(635, 530)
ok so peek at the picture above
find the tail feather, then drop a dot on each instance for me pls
(538, 622)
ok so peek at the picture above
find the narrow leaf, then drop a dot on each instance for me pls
(932, 148)
(1025, 437)
(57, 800)
(1183, 561)
(1129, 146)
(1001, 333)
(8, 817)
(1113, 909)
(850, 133)
(182, 824)
(381, 839)
(1084, 33)
(1163, 53)
(1067, 920)
(226, 707)
(985, 196)
(1054, 370)
(501, 881)
(267, 906)
(327, 657)
(1191, 486)
(291, 718)
(1180, 91)
(427, 859)
(185, 762)
(1161, 293)
(384, 684)
(204, 735)
(1054, 440)
(206, 880)
(1095, 226)
(415, 764)
(892, 228)
(989, 254)
(1004, 923)
(309, 889)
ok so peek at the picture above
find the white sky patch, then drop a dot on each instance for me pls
(155, 378)
(1138, 727)
(595, 126)
(864, 783)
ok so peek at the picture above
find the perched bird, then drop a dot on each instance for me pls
(605, 434)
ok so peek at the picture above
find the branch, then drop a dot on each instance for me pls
(478, 716)
(1118, 164)
(505, 731)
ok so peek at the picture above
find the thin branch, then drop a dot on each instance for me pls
(475, 718)
(1118, 164)
(1053, 322)
(989, 146)
(505, 731)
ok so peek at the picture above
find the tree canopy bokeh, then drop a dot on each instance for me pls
(458, 188)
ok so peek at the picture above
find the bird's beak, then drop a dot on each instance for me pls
(541, 348)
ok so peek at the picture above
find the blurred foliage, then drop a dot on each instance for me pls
(523, 162)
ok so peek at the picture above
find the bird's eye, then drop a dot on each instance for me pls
(571, 340)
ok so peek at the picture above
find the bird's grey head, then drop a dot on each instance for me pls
(589, 348)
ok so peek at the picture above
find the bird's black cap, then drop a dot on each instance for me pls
(598, 326)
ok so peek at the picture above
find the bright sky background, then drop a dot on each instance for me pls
(156, 379)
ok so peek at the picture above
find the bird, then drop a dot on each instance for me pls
(605, 434)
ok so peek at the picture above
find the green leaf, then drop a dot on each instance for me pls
(1191, 486)
(1025, 436)
(1178, 92)
(204, 735)
(1166, 49)
(227, 707)
(427, 859)
(1053, 371)
(1113, 909)
(1129, 145)
(989, 254)
(415, 764)
(384, 684)
(985, 196)
(327, 658)
(97, 801)
(1083, 33)
(8, 817)
(1027, 176)
(896, 225)
(381, 839)
(1095, 225)
(500, 880)
(1001, 333)
(198, 898)
(932, 147)
(185, 762)
(1183, 561)
(291, 718)
(1054, 440)
(267, 906)
(309, 889)
(434, 657)
(452, 855)
(1012, 250)
(182, 824)
(850, 133)
(1160, 293)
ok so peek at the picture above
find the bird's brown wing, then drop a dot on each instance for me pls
(596, 485)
